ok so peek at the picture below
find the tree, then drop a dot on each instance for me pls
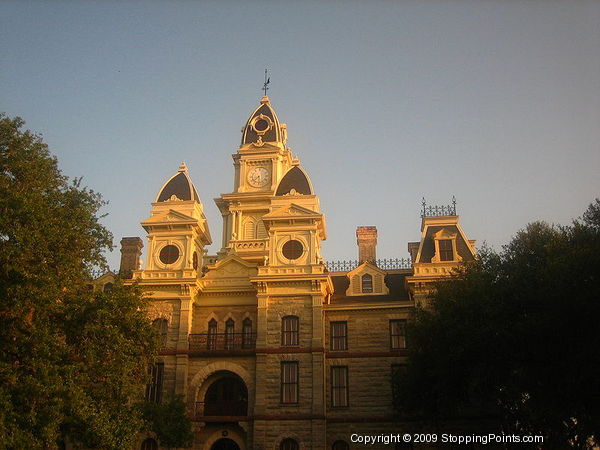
(72, 361)
(513, 336)
(169, 422)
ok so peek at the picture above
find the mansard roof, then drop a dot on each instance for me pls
(394, 282)
(178, 187)
(263, 125)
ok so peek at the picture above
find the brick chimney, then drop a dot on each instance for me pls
(366, 238)
(131, 252)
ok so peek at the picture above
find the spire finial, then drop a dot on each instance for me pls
(183, 167)
(266, 83)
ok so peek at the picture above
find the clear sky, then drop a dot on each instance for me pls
(495, 102)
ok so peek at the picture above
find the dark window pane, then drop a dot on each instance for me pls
(367, 283)
(169, 254)
(398, 333)
(289, 331)
(339, 386)
(339, 336)
(289, 382)
(292, 249)
(446, 252)
(288, 444)
(154, 388)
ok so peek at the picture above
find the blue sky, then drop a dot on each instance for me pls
(495, 102)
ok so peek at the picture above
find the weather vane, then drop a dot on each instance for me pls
(267, 81)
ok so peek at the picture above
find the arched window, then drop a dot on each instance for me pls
(108, 287)
(161, 327)
(247, 336)
(367, 283)
(211, 338)
(261, 231)
(288, 444)
(249, 229)
(229, 334)
(149, 444)
(340, 445)
(289, 331)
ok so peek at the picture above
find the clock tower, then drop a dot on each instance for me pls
(265, 171)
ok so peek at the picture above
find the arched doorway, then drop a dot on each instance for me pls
(225, 444)
(226, 396)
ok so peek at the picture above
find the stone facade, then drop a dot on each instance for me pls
(270, 349)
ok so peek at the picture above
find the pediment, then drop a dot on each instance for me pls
(291, 211)
(366, 267)
(230, 273)
(445, 234)
(169, 216)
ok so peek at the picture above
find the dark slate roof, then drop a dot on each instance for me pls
(273, 135)
(181, 186)
(295, 178)
(394, 282)
(429, 247)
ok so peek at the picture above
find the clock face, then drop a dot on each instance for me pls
(258, 177)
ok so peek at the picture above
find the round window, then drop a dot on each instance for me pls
(292, 249)
(261, 125)
(169, 254)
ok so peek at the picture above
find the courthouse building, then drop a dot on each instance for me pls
(272, 347)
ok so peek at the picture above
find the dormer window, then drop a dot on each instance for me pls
(446, 252)
(366, 280)
(367, 283)
(445, 241)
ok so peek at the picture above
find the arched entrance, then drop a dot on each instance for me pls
(226, 396)
(225, 444)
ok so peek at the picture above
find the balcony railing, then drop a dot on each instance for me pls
(221, 341)
(383, 264)
(222, 408)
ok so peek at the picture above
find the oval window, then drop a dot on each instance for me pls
(261, 125)
(292, 249)
(169, 254)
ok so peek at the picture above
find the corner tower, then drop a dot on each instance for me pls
(177, 230)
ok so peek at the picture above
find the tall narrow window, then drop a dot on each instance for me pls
(289, 331)
(161, 327)
(247, 337)
(398, 334)
(211, 338)
(289, 382)
(367, 283)
(339, 336)
(339, 386)
(229, 334)
(249, 229)
(446, 252)
(288, 444)
(154, 388)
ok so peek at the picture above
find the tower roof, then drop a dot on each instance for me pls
(263, 125)
(294, 181)
(178, 187)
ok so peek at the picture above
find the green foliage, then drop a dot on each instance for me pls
(170, 422)
(514, 336)
(71, 361)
